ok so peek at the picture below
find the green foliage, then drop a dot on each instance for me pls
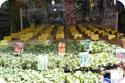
(6, 49)
(41, 48)
(74, 48)
(23, 69)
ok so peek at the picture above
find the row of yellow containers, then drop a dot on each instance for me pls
(24, 35)
(17, 35)
(93, 36)
(105, 32)
(46, 34)
(110, 33)
(31, 34)
(74, 32)
(114, 33)
(60, 33)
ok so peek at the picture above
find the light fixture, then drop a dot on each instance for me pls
(54, 9)
(123, 2)
(1, 2)
(114, 2)
(53, 2)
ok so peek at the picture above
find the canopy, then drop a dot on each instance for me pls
(1, 2)
(123, 1)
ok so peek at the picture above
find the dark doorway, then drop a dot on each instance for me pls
(121, 18)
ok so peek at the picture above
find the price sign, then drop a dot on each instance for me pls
(120, 54)
(116, 75)
(19, 47)
(84, 59)
(61, 49)
(42, 62)
(87, 44)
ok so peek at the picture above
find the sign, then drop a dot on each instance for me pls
(116, 75)
(2, 80)
(61, 49)
(19, 47)
(48, 42)
(84, 59)
(18, 50)
(87, 44)
(123, 81)
(42, 62)
(113, 76)
(120, 54)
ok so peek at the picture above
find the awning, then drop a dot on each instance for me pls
(123, 1)
(1, 2)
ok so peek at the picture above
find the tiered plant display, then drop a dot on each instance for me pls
(61, 69)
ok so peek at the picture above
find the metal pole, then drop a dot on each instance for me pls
(117, 18)
(11, 4)
(21, 19)
(11, 29)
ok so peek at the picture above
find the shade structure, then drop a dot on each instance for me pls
(1, 2)
(123, 1)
